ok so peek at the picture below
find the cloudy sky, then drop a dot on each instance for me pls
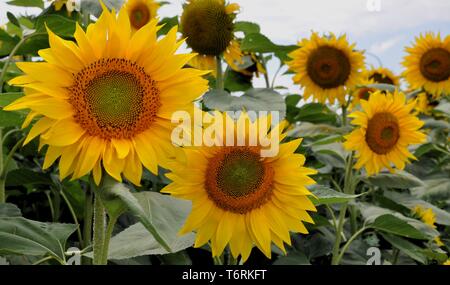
(381, 27)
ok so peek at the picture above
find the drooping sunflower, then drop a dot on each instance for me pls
(386, 128)
(208, 26)
(106, 100)
(327, 67)
(428, 217)
(70, 5)
(428, 64)
(382, 75)
(141, 12)
(241, 198)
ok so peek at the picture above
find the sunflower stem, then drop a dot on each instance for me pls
(348, 189)
(2, 183)
(266, 75)
(99, 230)
(348, 243)
(109, 230)
(219, 75)
(4, 165)
(87, 222)
(344, 115)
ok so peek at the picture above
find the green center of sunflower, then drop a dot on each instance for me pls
(381, 78)
(207, 27)
(382, 132)
(114, 98)
(139, 16)
(435, 64)
(328, 67)
(237, 180)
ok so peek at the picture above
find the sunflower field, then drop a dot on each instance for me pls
(128, 138)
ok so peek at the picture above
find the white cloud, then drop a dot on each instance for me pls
(383, 46)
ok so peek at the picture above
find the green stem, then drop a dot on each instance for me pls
(4, 166)
(109, 231)
(219, 75)
(99, 230)
(348, 189)
(344, 115)
(396, 253)
(74, 216)
(347, 244)
(218, 260)
(266, 75)
(11, 55)
(87, 223)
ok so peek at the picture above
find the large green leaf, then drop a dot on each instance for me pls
(258, 99)
(246, 27)
(330, 154)
(60, 25)
(117, 199)
(306, 129)
(326, 195)
(22, 236)
(400, 179)
(167, 214)
(438, 188)
(442, 217)
(93, 6)
(395, 223)
(27, 3)
(293, 258)
(315, 113)
(25, 176)
(406, 247)
(9, 210)
(256, 42)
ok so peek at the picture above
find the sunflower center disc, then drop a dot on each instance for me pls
(380, 78)
(114, 98)
(237, 180)
(435, 64)
(328, 67)
(207, 27)
(140, 16)
(364, 93)
(382, 132)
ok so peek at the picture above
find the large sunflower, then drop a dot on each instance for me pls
(107, 99)
(383, 75)
(428, 64)
(386, 129)
(241, 198)
(141, 12)
(326, 67)
(208, 26)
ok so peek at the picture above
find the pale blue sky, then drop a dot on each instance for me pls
(383, 32)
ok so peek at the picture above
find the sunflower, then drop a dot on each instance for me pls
(208, 26)
(382, 75)
(326, 67)
(362, 92)
(141, 12)
(386, 128)
(107, 99)
(424, 103)
(428, 217)
(428, 64)
(241, 198)
(248, 65)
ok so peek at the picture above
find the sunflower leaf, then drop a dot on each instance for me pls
(325, 195)
(400, 179)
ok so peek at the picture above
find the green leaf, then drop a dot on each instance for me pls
(400, 179)
(392, 222)
(325, 195)
(235, 81)
(93, 7)
(22, 236)
(438, 188)
(429, 147)
(10, 119)
(293, 258)
(442, 217)
(381, 86)
(12, 19)
(306, 129)
(246, 27)
(258, 99)
(406, 247)
(60, 25)
(256, 42)
(316, 113)
(330, 154)
(27, 3)
(8, 98)
(168, 23)
(24, 176)
(117, 198)
(9, 210)
(167, 214)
